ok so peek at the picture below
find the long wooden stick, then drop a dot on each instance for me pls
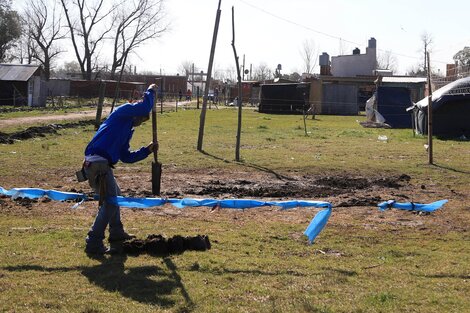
(430, 159)
(208, 81)
(154, 126)
(240, 96)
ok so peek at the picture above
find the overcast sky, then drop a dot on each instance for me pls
(273, 32)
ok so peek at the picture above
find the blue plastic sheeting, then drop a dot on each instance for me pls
(315, 227)
(225, 204)
(410, 206)
(317, 224)
(34, 193)
(392, 103)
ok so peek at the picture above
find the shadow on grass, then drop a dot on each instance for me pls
(222, 271)
(145, 284)
(443, 275)
(451, 169)
(257, 167)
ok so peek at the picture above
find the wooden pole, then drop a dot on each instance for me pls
(197, 97)
(208, 80)
(99, 108)
(162, 84)
(156, 166)
(430, 157)
(240, 96)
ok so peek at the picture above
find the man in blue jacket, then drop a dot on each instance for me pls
(109, 145)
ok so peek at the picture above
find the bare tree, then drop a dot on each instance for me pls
(427, 41)
(136, 23)
(24, 50)
(186, 67)
(263, 72)
(88, 27)
(66, 68)
(309, 53)
(230, 73)
(387, 61)
(44, 30)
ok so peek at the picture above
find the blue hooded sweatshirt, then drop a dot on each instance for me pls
(111, 141)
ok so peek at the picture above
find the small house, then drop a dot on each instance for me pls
(22, 84)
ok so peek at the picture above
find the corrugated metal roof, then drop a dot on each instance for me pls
(412, 80)
(17, 72)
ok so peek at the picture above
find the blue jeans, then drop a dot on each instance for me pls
(109, 212)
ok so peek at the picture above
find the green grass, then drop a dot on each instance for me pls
(256, 265)
(334, 143)
(256, 268)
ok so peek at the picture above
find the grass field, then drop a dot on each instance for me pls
(363, 261)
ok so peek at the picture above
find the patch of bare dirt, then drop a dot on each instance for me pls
(354, 198)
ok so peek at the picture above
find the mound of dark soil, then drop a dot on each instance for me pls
(305, 187)
(160, 246)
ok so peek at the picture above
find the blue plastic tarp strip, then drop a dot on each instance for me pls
(317, 224)
(312, 231)
(315, 227)
(411, 206)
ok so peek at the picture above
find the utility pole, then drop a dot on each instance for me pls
(208, 80)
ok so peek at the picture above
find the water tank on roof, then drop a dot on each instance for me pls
(372, 43)
(357, 51)
(324, 59)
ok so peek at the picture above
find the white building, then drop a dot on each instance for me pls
(356, 64)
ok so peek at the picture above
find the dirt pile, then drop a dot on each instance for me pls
(301, 187)
(160, 246)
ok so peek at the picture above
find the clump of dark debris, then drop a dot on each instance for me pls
(160, 246)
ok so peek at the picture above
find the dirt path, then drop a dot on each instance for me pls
(48, 118)
(29, 120)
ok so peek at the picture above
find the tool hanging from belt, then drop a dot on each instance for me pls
(100, 182)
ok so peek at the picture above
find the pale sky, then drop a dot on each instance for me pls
(273, 32)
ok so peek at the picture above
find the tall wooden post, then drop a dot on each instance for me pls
(240, 95)
(99, 108)
(430, 159)
(197, 97)
(208, 81)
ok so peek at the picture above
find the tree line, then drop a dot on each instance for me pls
(39, 33)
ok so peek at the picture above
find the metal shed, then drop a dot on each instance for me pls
(284, 98)
(22, 84)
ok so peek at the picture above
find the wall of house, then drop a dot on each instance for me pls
(354, 65)
(13, 93)
(316, 95)
(58, 87)
(339, 99)
(37, 95)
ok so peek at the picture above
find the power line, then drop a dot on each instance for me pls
(326, 34)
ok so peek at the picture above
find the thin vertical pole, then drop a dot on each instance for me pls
(208, 80)
(99, 108)
(430, 159)
(240, 96)
(197, 97)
